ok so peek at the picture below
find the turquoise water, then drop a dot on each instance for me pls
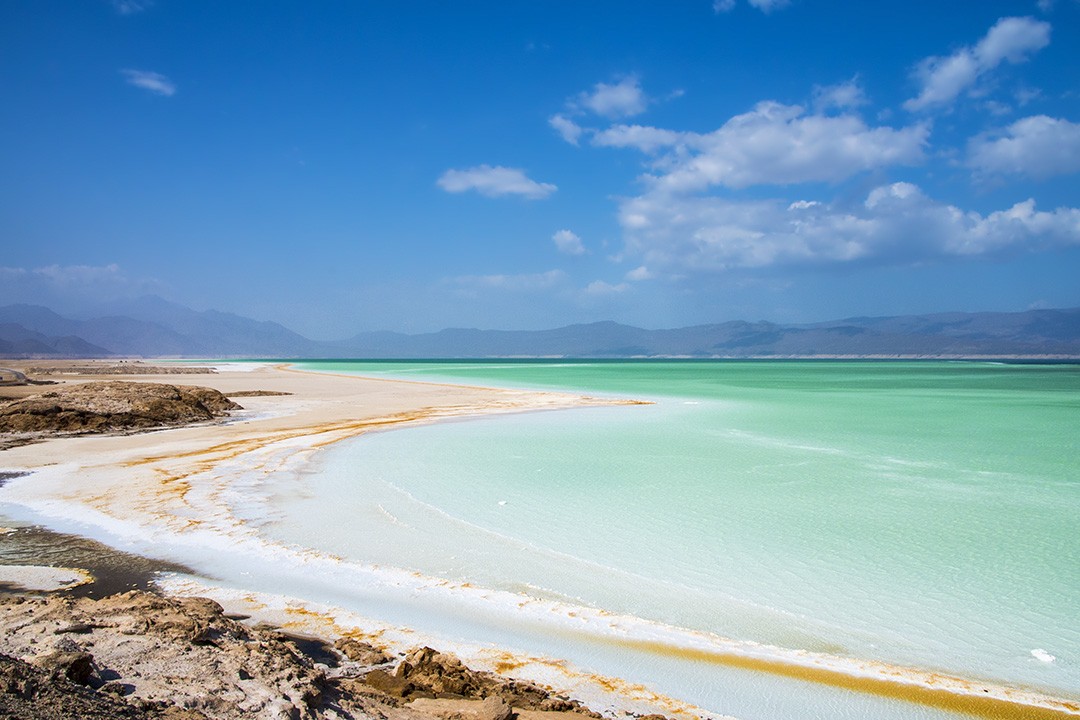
(925, 514)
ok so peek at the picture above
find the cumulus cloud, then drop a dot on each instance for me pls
(1037, 146)
(152, 81)
(942, 79)
(773, 144)
(842, 96)
(896, 224)
(723, 6)
(568, 243)
(567, 128)
(494, 182)
(644, 138)
(622, 99)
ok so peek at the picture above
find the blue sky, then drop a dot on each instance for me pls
(348, 166)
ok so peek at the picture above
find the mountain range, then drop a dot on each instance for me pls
(153, 327)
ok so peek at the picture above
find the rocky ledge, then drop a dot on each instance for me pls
(141, 655)
(121, 368)
(111, 406)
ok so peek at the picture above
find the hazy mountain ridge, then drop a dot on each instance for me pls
(154, 327)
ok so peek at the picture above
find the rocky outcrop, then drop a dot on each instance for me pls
(158, 652)
(30, 692)
(428, 673)
(112, 406)
(136, 367)
(141, 655)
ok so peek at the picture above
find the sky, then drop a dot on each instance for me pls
(347, 166)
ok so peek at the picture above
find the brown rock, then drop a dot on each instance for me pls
(392, 685)
(184, 659)
(491, 708)
(361, 652)
(29, 692)
(110, 406)
(75, 666)
(443, 674)
(550, 715)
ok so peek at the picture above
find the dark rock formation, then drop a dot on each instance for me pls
(112, 406)
(30, 692)
(428, 673)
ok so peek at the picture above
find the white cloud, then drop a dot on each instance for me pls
(131, 7)
(623, 99)
(780, 145)
(885, 193)
(599, 287)
(152, 81)
(644, 138)
(568, 242)
(767, 6)
(519, 283)
(494, 182)
(640, 273)
(897, 224)
(841, 96)
(1037, 146)
(943, 78)
(567, 128)
(1012, 39)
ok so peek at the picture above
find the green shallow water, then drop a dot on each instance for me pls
(920, 513)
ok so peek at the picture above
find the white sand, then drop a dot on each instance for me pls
(38, 578)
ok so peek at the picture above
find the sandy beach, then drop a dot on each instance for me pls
(167, 483)
(120, 475)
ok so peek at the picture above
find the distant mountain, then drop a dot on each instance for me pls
(154, 327)
(17, 341)
(1037, 332)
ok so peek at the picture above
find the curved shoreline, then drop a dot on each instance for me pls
(176, 487)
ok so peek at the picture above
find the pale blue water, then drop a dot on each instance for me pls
(923, 514)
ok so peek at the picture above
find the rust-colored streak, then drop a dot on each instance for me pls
(960, 696)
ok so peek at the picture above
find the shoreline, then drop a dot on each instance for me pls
(176, 486)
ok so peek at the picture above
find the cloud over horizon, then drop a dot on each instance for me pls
(895, 224)
(71, 287)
